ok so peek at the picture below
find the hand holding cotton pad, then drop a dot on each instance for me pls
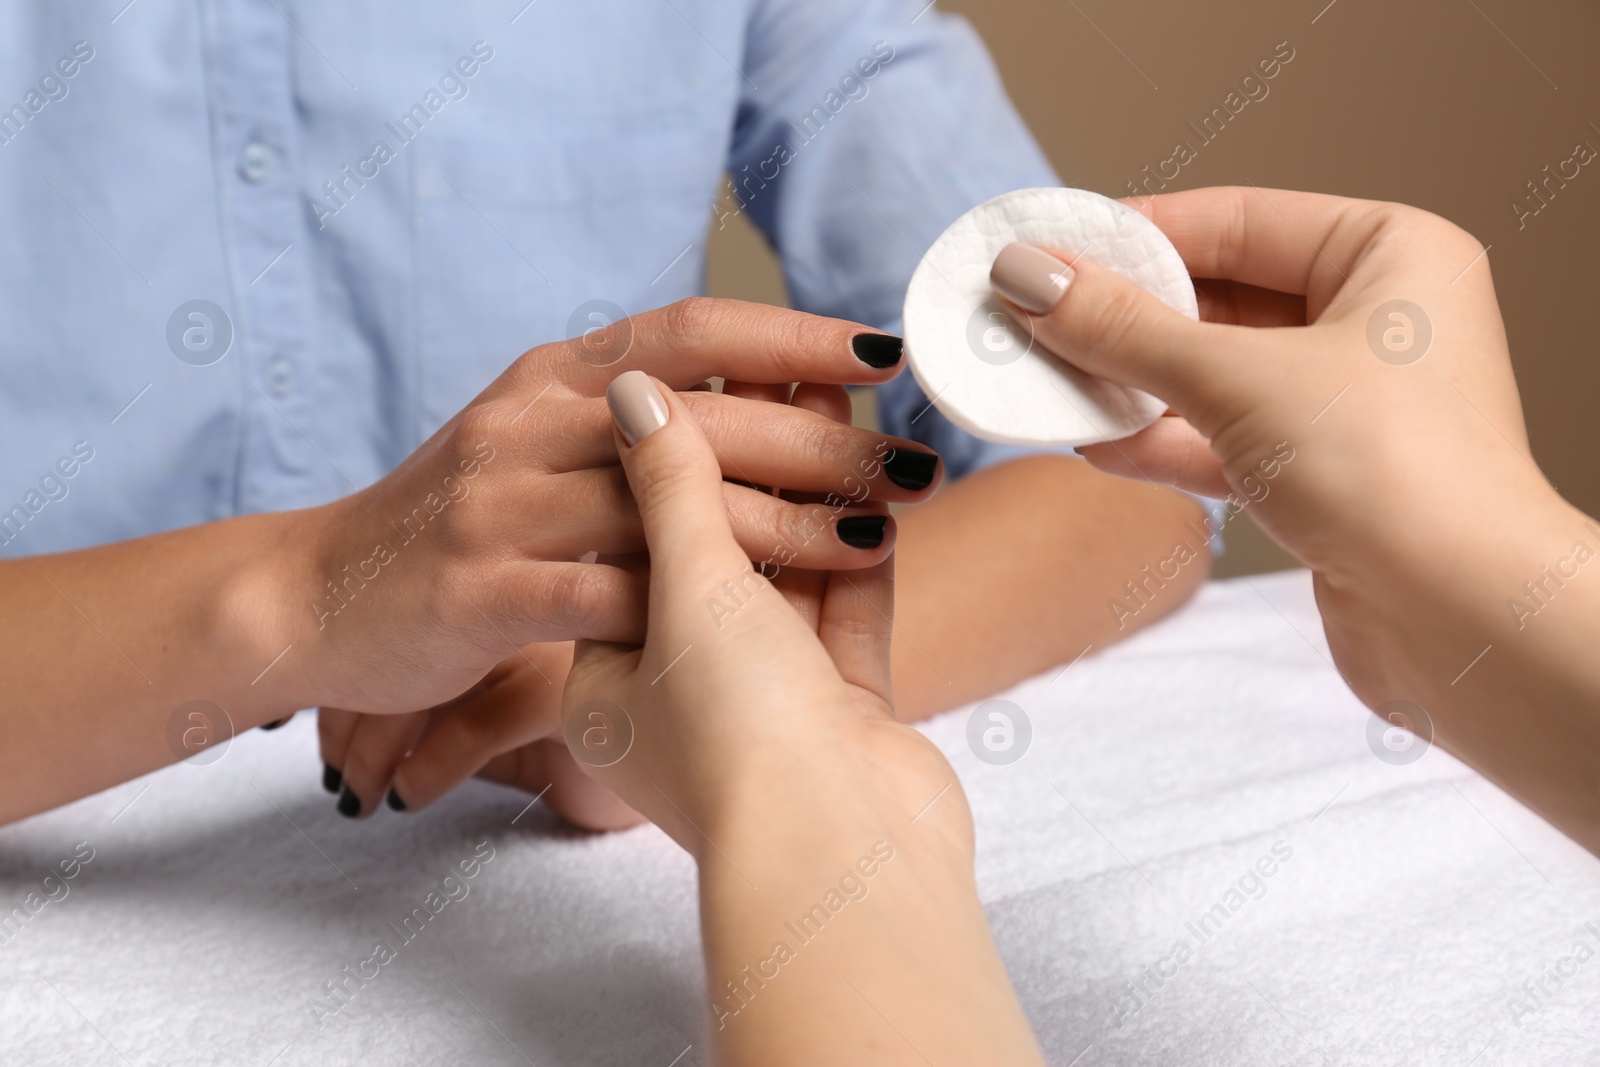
(982, 368)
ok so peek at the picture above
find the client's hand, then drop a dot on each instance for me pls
(505, 729)
(1353, 389)
(754, 726)
(405, 594)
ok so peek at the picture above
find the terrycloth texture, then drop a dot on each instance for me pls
(982, 369)
(1413, 904)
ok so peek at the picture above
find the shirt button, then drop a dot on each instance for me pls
(280, 376)
(255, 161)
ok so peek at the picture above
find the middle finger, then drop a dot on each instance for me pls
(594, 511)
(756, 442)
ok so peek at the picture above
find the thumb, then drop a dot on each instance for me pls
(1107, 325)
(676, 482)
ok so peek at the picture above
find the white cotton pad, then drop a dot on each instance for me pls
(984, 370)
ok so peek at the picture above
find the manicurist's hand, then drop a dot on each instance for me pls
(754, 726)
(1352, 388)
(406, 594)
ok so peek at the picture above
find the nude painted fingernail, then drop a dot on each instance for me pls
(1030, 277)
(636, 405)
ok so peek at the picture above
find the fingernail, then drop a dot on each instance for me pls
(274, 724)
(1030, 277)
(877, 350)
(349, 804)
(862, 531)
(636, 405)
(911, 470)
(395, 803)
(331, 778)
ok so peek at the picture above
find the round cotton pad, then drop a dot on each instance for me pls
(982, 368)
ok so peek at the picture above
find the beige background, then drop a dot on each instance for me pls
(1453, 105)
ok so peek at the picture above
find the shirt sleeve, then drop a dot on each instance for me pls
(866, 127)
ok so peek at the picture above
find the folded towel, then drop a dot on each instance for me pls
(1197, 859)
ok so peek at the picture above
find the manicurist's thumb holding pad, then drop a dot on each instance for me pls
(1351, 384)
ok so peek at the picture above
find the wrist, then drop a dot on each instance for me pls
(263, 616)
(1469, 576)
(830, 804)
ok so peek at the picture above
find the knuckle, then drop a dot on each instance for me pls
(1411, 226)
(1233, 246)
(579, 597)
(363, 766)
(806, 438)
(800, 525)
(474, 734)
(858, 627)
(667, 484)
(1111, 321)
(689, 322)
(808, 336)
(482, 422)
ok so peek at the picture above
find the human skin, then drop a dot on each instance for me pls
(1008, 571)
(764, 742)
(1431, 534)
(482, 528)
(1004, 574)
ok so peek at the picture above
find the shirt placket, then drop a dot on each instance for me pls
(282, 462)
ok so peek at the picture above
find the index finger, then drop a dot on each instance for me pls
(689, 341)
(1273, 238)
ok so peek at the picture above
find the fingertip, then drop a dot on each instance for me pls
(1031, 277)
(349, 804)
(912, 468)
(1107, 459)
(880, 351)
(638, 405)
(676, 482)
(866, 532)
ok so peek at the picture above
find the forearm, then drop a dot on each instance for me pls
(844, 940)
(1023, 566)
(100, 648)
(1495, 636)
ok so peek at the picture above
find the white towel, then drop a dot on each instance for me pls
(1406, 909)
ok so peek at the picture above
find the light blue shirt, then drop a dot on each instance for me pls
(255, 251)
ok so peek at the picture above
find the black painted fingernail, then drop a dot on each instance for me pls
(331, 778)
(349, 804)
(274, 724)
(877, 350)
(395, 803)
(911, 470)
(862, 531)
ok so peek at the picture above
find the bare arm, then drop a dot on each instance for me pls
(1020, 567)
(839, 912)
(101, 648)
